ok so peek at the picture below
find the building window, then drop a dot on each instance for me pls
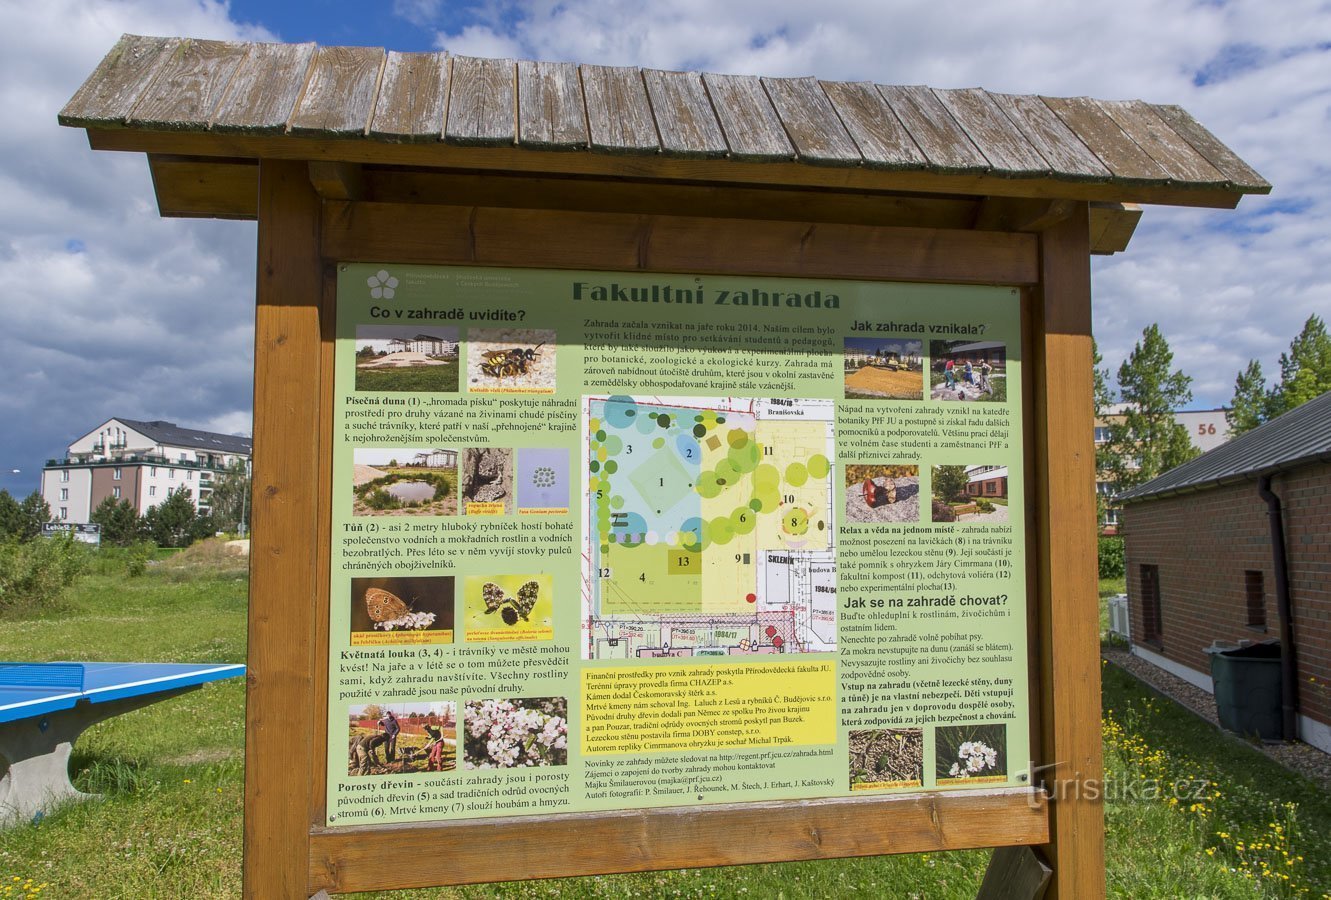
(1151, 618)
(152, 490)
(115, 492)
(64, 513)
(1101, 434)
(64, 493)
(116, 474)
(64, 474)
(1111, 517)
(170, 473)
(1254, 586)
(190, 475)
(152, 470)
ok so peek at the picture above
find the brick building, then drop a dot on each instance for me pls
(986, 481)
(1202, 561)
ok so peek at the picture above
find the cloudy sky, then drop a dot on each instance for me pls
(110, 310)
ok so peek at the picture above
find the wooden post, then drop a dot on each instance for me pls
(279, 712)
(1065, 509)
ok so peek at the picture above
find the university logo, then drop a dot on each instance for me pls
(382, 285)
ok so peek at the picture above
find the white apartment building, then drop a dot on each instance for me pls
(142, 462)
(1208, 429)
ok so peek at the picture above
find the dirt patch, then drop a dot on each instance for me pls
(402, 359)
(960, 390)
(362, 474)
(998, 515)
(898, 385)
(886, 756)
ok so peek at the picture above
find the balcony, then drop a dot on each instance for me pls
(104, 447)
(205, 468)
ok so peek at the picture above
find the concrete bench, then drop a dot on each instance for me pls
(44, 707)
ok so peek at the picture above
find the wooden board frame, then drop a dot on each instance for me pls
(288, 852)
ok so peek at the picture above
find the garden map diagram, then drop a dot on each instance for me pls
(709, 527)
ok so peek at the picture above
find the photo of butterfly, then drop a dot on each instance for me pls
(384, 606)
(510, 608)
(412, 609)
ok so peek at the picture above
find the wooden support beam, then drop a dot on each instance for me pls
(202, 188)
(280, 719)
(1069, 646)
(655, 166)
(1020, 214)
(557, 845)
(397, 185)
(336, 180)
(571, 240)
(1015, 873)
(1112, 226)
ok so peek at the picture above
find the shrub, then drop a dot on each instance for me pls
(23, 521)
(119, 521)
(171, 523)
(1111, 557)
(136, 558)
(33, 574)
(943, 512)
(984, 505)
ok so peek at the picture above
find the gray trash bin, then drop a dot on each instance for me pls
(1247, 688)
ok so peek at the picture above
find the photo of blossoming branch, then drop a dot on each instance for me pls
(507, 734)
(970, 752)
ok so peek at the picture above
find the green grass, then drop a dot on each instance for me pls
(172, 775)
(1248, 809)
(410, 378)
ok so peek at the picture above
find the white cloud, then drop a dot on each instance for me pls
(417, 12)
(153, 318)
(145, 317)
(1225, 286)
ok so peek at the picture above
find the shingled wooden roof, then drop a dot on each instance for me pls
(245, 100)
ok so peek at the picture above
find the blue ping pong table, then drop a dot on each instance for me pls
(44, 707)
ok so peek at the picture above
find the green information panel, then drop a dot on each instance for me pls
(606, 541)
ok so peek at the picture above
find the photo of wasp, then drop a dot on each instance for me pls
(511, 360)
(509, 363)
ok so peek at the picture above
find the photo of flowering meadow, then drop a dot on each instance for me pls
(508, 734)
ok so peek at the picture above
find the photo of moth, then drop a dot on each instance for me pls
(510, 608)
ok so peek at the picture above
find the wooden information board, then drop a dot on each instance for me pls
(524, 629)
(686, 469)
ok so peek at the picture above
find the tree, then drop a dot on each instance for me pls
(1103, 398)
(119, 521)
(229, 503)
(171, 522)
(34, 512)
(950, 482)
(1251, 405)
(1101, 394)
(1146, 439)
(11, 515)
(1305, 373)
